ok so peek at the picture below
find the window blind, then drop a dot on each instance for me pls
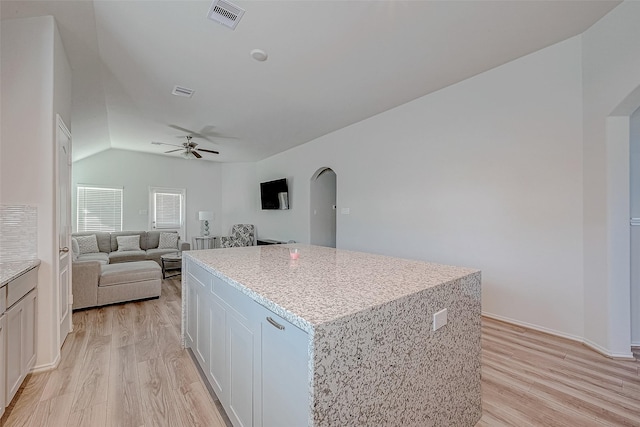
(167, 210)
(99, 209)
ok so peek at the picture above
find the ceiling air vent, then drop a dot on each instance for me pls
(182, 91)
(225, 13)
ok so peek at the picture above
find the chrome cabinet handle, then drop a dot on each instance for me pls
(65, 249)
(274, 323)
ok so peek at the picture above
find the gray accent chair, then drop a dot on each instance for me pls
(241, 235)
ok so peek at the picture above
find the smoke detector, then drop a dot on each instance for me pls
(225, 13)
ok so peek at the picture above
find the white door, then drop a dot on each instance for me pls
(63, 213)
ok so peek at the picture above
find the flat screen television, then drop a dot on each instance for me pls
(274, 194)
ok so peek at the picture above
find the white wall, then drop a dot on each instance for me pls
(33, 64)
(240, 196)
(486, 173)
(611, 72)
(136, 172)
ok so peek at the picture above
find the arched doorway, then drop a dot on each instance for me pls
(322, 209)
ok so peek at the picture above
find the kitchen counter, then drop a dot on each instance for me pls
(324, 284)
(374, 357)
(10, 270)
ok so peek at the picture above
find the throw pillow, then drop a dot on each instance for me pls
(128, 243)
(87, 244)
(75, 248)
(168, 241)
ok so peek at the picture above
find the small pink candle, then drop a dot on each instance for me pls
(294, 253)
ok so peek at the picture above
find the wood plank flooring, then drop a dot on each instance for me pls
(123, 366)
(533, 379)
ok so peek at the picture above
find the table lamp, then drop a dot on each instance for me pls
(205, 216)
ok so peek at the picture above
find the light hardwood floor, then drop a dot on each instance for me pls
(123, 366)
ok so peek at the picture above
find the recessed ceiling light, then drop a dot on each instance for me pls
(259, 55)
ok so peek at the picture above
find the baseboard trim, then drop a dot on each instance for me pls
(46, 367)
(593, 346)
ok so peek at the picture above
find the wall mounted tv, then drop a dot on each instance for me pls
(274, 194)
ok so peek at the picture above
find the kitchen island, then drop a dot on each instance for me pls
(334, 338)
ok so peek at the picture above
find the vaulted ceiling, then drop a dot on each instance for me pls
(330, 64)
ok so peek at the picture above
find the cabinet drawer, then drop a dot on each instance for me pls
(21, 286)
(202, 276)
(232, 296)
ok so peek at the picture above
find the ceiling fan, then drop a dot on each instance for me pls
(189, 147)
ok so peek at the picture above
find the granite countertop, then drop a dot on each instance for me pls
(13, 269)
(324, 284)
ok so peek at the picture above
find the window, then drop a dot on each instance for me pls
(167, 208)
(99, 208)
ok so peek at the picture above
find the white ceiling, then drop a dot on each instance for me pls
(331, 64)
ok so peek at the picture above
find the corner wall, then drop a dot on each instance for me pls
(611, 72)
(35, 79)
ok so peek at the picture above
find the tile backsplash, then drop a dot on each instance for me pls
(18, 233)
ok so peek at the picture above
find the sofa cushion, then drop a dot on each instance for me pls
(168, 241)
(115, 234)
(75, 249)
(99, 256)
(88, 244)
(128, 243)
(103, 237)
(127, 256)
(130, 272)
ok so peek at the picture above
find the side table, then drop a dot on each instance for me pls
(204, 242)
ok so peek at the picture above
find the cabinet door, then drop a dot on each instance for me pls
(203, 339)
(3, 402)
(190, 307)
(16, 328)
(218, 348)
(284, 387)
(240, 369)
(29, 333)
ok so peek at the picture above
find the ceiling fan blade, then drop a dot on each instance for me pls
(181, 129)
(195, 153)
(208, 151)
(164, 143)
(173, 151)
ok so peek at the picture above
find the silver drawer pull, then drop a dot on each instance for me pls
(274, 323)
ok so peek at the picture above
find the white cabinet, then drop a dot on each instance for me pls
(3, 401)
(20, 342)
(257, 367)
(284, 386)
(240, 368)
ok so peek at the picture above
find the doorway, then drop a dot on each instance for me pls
(322, 208)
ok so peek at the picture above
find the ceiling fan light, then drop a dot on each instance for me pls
(187, 155)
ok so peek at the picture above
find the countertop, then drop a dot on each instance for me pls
(10, 270)
(324, 284)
